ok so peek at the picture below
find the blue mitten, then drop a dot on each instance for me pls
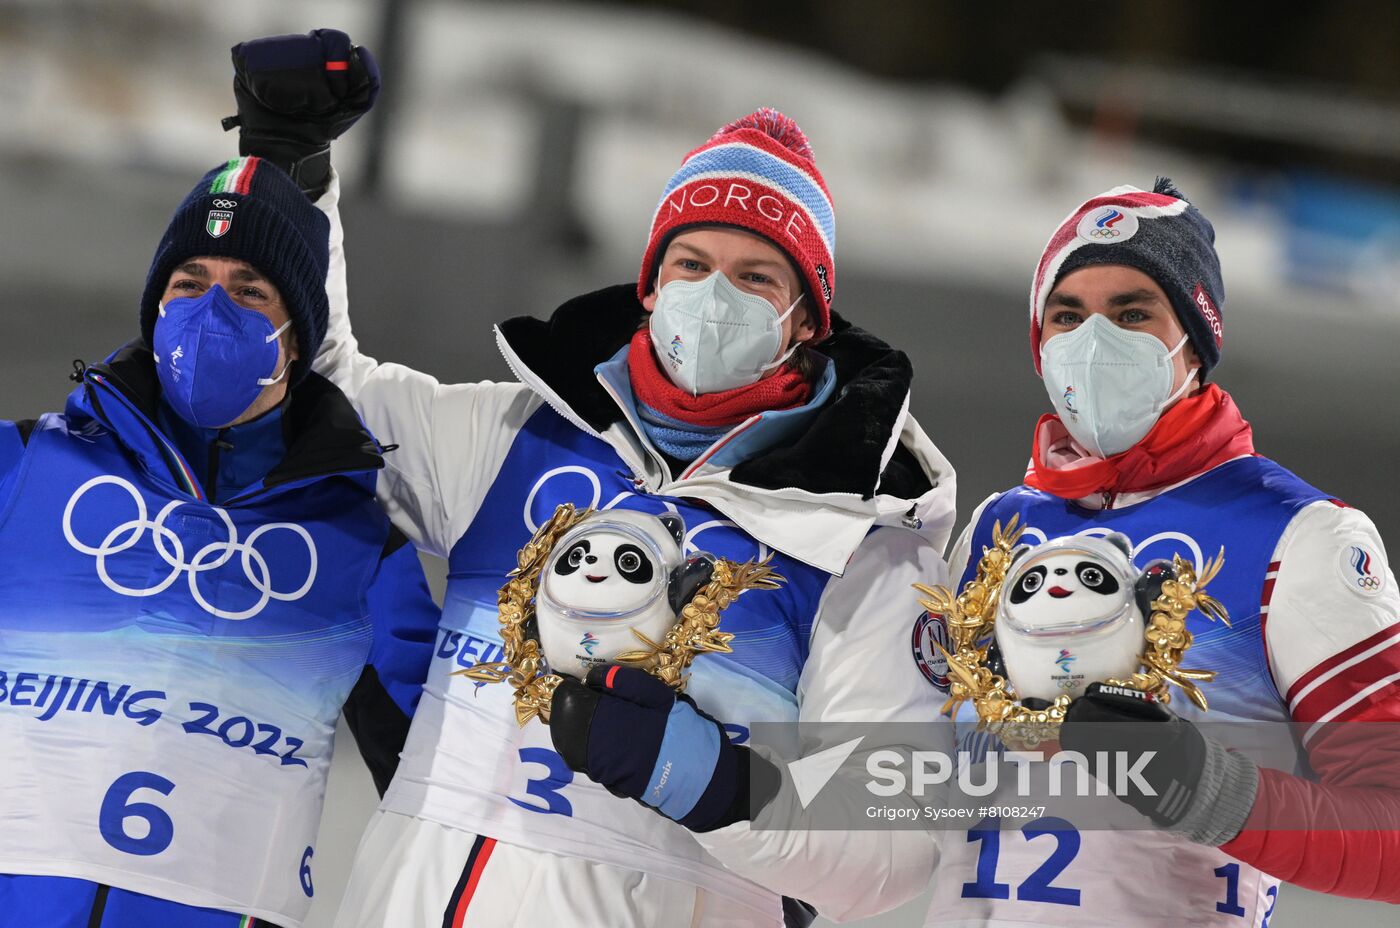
(631, 733)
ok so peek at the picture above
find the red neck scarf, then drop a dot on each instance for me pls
(1193, 436)
(787, 389)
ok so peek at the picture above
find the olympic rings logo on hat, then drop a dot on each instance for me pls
(225, 204)
(1107, 224)
(171, 550)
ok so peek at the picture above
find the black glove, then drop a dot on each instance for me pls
(1201, 789)
(298, 93)
(631, 733)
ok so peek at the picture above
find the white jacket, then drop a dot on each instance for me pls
(850, 527)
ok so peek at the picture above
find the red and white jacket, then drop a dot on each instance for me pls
(1334, 651)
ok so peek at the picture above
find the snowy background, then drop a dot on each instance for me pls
(520, 149)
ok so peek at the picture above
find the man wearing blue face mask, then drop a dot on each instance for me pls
(718, 386)
(1126, 326)
(195, 580)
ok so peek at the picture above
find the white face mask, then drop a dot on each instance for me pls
(1109, 385)
(711, 336)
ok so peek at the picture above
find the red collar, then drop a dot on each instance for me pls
(1196, 434)
(787, 389)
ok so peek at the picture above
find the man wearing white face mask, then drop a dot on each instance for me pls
(720, 386)
(732, 333)
(1126, 326)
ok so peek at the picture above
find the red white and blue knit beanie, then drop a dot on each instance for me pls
(757, 174)
(1157, 232)
(251, 210)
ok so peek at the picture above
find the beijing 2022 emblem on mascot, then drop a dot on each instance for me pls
(1036, 625)
(611, 587)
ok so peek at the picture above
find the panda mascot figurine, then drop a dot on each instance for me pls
(615, 576)
(1073, 611)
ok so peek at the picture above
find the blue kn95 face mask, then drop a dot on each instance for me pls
(213, 357)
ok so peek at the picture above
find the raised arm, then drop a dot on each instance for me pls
(296, 94)
(451, 439)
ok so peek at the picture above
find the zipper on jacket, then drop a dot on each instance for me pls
(667, 478)
(715, 448)
(211, 487)
(556, 403)
(170, 449)
(175, 454)
(540, 388)
(99, 906)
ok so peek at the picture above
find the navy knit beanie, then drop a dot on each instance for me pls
(251, 210)
(1160, 234)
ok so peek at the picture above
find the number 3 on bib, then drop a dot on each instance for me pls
(547, 788)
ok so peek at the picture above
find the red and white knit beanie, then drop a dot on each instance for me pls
(757, 174)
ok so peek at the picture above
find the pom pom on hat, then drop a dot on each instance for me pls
(782, 129)
(1165, 186)
(756, 174)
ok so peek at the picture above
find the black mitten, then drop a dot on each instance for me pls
(298, 93)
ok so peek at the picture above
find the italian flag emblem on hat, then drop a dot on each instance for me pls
(219, 222)
(235, 177)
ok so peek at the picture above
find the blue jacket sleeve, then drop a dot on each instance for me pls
(405, 620)
(13, 437)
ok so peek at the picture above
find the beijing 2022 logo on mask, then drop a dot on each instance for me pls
(126, 535)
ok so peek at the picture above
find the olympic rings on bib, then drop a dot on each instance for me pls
(1192, 547)
(593, 499)
(168, 545)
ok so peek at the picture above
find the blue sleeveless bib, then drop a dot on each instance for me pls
(1244, 505)
(771, 628)
(171, 671)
